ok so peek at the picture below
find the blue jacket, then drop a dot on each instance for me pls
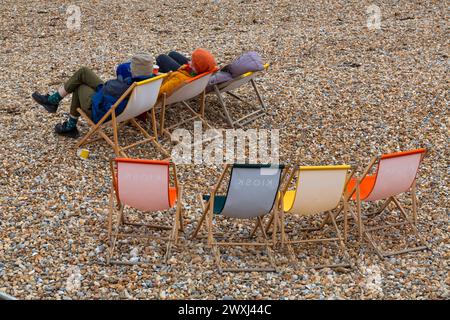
(107, 94)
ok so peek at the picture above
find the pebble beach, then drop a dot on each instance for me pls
(337, 91)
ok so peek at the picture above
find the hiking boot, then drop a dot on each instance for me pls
(65, 130)
(43, 101)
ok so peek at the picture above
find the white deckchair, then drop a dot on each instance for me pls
(191, 89)
(228, 88)
(142, 98)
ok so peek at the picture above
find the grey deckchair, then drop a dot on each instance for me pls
(251, 194)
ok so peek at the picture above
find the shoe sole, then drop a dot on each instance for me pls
(48, 108)
(69, 135)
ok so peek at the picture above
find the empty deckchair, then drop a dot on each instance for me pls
(395, 175)
(319, 191)
(251, 194)
(142, 98)
(143, 185)
(228, 88)
(191, 89)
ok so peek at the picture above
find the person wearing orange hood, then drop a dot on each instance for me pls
(182, 69)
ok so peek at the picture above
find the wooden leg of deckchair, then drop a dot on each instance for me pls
(267, 228)
(383, 255)
(175, 228)
(199, 115)
(149, 137)
(110, 213)
(202, 218)
(173, 236)
(112, 243)
(345, 210)
(163, 114)
(116, 136)
(414, 202)
(217, 256)
(121, 214)
(283, 231)
(268, 248)
(341, 242)
(358, 211)
(258, 95)
(91, 131)
(373, 244)
(381, 209)
(179, 213)
(251, 269)
(284, 238)
(275, 225)
(210, 221)
(411, 223)
(98, 129)
(154, 127)
(224, 107)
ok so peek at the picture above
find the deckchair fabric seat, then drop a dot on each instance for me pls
(192, 88)
(219, 202)
(143, 185)
(395, 175)
(142, 97)
(251, 194)
(319, 190)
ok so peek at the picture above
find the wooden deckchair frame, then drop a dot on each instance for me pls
(408, 221)
(113, 237)
(200, 115)
(99, 126)
(260, 111)
(278, 217)
(208, 213)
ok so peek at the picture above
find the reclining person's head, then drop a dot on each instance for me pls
(202, 61)
(141, 65)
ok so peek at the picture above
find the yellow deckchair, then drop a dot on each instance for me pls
(319, 191)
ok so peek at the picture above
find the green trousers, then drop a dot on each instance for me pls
(82, 86)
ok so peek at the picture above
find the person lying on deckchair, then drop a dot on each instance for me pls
(92, 95)
(183, 69)
(179, 66)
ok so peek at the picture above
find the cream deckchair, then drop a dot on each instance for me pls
(319, 191)
(192, 88)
